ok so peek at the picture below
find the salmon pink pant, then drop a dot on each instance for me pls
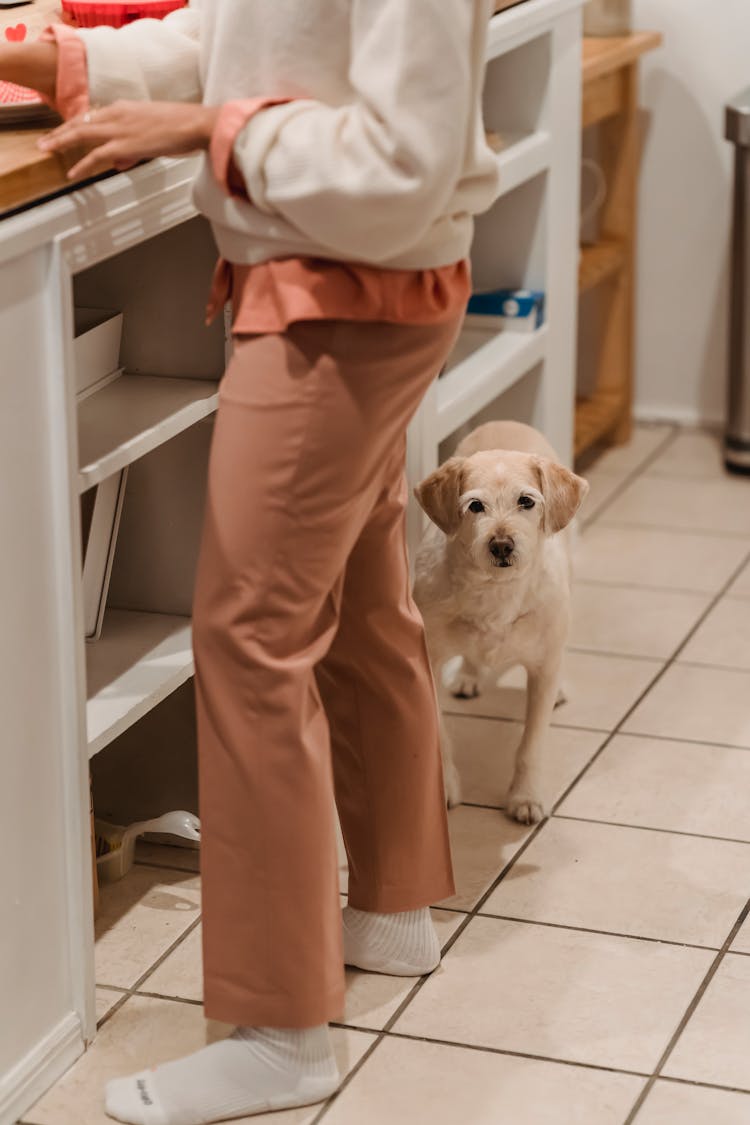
(314, 689)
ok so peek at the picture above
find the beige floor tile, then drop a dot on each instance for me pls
(633, 622)
(724, 637)
(482, 842)
(146, 1032)
(678, 786)
(692, 455)
(623, 459)
(406, 1082)
(140, 918)
(715, 1045)
(696, 505)
(180, 975)
(644, 556)
(602, 487)
(671, 1103)
(564, 994)
(697, 704)
(740, 588)
(166, 855)
(485, 751)
(106, 998)
(599, 690)
(371, 998)
(628, 881)
(741, 943)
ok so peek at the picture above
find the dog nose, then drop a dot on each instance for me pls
(502, 548)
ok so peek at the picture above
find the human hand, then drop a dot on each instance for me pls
(126, 132)
(30, 64)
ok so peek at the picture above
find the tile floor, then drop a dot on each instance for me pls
(597, 967)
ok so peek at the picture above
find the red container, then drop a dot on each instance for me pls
(92, 13)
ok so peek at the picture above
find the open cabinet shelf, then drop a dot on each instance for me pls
(520, 157)
(138, 661)
(484, 364)
(134, 415)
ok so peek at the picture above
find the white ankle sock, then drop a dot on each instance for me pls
(255, 1070)
(401, 945)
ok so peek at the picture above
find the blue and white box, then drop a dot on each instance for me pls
(515, 310)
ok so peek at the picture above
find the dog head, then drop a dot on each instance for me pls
(500, 505)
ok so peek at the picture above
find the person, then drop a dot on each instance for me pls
(344, 159)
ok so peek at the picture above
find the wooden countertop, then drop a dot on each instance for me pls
(603, 55)
(26, 174)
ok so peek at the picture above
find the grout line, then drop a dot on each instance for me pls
(144, 976)
(624, 525)
(638, 657)
(699, 994)
(704, 1085)
(486, 1050)
(714, 667)
(682, 738)
(592, 930)
(652, 828)
(351, 1075)
(175, 999)
(166, 867)
(629, 477)
(614, 654)
(609, 584)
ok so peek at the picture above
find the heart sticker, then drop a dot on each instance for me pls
(16, 34)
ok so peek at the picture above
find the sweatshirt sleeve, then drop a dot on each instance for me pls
(148, 60)
(369, 177)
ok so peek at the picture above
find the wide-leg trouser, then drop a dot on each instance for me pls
(312, 676)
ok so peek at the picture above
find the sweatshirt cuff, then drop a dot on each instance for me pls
(72, 80)
(232, 119)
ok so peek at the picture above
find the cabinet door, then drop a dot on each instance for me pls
(46, 942)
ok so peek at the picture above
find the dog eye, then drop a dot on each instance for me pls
(476, 506)
(526, 502)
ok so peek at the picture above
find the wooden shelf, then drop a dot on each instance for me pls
(483, 364)
(140, 659)
(132, 416)
(599, 262)
(605, 54)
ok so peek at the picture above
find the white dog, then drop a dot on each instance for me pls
(493, 580)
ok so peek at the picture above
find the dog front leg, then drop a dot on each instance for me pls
(451, 777)
(524, 802)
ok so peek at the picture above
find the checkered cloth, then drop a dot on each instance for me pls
(10, 94)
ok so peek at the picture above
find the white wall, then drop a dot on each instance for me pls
(685, 204)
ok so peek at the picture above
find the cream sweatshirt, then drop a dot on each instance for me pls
(379, 154)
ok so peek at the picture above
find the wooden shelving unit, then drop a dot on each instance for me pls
(610, 103)
(599, 262)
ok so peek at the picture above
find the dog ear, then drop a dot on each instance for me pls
(563, 493)
(438, 494)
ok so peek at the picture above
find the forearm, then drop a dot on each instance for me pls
(31, 64)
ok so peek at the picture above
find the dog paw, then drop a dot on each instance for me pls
(464, 687)
(524, 808)
(452, 786)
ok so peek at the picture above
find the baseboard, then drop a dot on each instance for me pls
(687, 416)
(25, 1083)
